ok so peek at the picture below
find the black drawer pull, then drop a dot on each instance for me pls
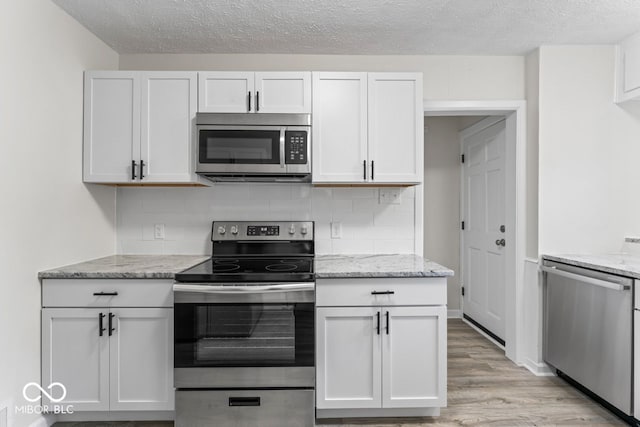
(244, 401)
(382, 292)
(105, 294)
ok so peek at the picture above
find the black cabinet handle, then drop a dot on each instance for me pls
(382, 292)
(257, 101)
(105, 294)
(112, 329)
(141, 169)
(378, 327)
(101, 328)
(244, 401)
(133, 169)
(249, 102)
(388, 324)
(364, 170)
(372, 163)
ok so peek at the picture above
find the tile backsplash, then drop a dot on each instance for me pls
(368, 226)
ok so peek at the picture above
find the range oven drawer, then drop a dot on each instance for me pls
(245, 408)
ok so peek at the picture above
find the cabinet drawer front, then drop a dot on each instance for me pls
(367, 292)
(107, 293)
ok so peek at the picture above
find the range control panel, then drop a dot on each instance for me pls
(295, 147)
(271, 230)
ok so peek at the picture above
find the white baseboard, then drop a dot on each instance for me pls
(539, 369)
(454, 314)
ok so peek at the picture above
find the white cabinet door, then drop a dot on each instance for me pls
(141, 350)
(111, 125)
(636, 355)
(283, 92)
(75, 355)
(339, 127)
(348, 365)
(225, 92)
(628, 69)
(396, 130)
(414, 355)
(169, 103)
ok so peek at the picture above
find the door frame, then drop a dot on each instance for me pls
(514, 112)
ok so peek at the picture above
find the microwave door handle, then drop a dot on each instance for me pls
(207, 289)
(282, 159)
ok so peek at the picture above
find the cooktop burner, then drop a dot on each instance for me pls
(249, 270)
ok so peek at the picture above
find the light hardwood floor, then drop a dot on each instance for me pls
(484, 389)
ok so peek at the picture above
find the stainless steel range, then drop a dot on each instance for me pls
(244, 328)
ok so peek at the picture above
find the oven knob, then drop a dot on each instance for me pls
(222, 230)
(303, 230)
(292, 229)
(234, 229)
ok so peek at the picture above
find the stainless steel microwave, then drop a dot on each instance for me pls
(253, 147)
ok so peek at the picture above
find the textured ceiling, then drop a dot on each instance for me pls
(477, 27)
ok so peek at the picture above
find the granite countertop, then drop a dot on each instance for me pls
(335, 266)
(620, 263)
(126, 267)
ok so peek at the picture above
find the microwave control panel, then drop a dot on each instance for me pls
(295, 147)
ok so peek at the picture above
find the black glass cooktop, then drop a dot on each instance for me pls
(262, 269)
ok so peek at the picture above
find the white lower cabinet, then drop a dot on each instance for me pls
(109, 358)
(384, 357)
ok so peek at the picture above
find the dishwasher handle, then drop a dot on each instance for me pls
(585, 279)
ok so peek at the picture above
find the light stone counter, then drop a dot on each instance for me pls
(336, 266)
(126, 267)
(620, 264)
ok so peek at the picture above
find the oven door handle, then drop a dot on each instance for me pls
(208, 289)
(282, 144)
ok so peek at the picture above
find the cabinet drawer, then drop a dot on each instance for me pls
(367, 292)
(107, 293)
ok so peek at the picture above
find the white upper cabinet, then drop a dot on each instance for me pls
(339, 127)
(367, 128)
(111, 124)
(396, 129)
(628, 69)
(138, 127)
(248, 92)
(169, 102)
(225, 92)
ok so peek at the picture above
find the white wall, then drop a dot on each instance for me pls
(445, 77)
(367, 225)
(442, 198)
(588, 153)
(49, 217)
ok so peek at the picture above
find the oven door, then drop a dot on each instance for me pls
(244, 336)
(233, 149)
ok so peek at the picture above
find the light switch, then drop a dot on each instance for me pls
(158, 231)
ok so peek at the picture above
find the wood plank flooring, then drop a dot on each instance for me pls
(484, 389)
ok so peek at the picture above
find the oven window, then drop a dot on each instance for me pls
(240, 146)
(219, 335)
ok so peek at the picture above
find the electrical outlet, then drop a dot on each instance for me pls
(389, 196)
(158, 231)
(336, 230)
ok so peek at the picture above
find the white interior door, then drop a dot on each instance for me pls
(484, 234)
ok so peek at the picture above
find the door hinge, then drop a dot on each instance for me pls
(463, 291)
(462, 225)
(462, 158)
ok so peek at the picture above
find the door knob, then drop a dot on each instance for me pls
(500, 242)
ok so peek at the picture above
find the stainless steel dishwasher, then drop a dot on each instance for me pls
(588, 333)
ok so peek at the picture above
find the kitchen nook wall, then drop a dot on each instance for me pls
(50, 218)
(368, 226)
